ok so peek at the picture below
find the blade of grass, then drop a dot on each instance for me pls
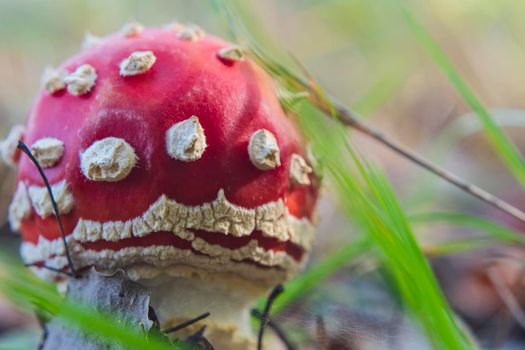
(496, 234)
(495, 231)
(503, 146)
(372, 203)
(458, 246)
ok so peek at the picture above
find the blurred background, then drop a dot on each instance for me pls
(362, 53)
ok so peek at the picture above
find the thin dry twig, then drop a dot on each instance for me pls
(345, 116)
(276, 328)
(266, 312)
(506, 296)
(198, 341)
(507, 318)
(186, 323)
(322, 335)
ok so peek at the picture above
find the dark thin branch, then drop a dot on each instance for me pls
(507, 297)
(54, 269)
(322, 335)
(266, 312)
(186, 323)
(347, 117)
(25, 149)
(199, 341)
(476, 191)
(276, 328)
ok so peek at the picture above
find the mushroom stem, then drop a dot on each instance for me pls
(177, 299)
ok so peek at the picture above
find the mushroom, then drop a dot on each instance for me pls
(171, 159)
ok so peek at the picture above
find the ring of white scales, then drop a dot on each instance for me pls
(219, 216)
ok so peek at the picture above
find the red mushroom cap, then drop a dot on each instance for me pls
(167, 150)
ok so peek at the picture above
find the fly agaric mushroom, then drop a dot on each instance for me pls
(169, 157)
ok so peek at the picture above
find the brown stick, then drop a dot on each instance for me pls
(507, 296)
(346, 117)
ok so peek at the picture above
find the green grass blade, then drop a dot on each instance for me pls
(504, 147)
(458, 246)
(372, 202)
(495, 231)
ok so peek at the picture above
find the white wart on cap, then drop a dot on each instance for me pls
(174, 26)
(263, 150)
(110, 159)
(299, 170)
(90, 40)
(48, 151)
(131, 29)
(231, 54)
(191, 32)
(41, 200)
(81, 80)
(8, 146)
(20, 207)
(53, 80)
(137, 63)
(186, 140)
